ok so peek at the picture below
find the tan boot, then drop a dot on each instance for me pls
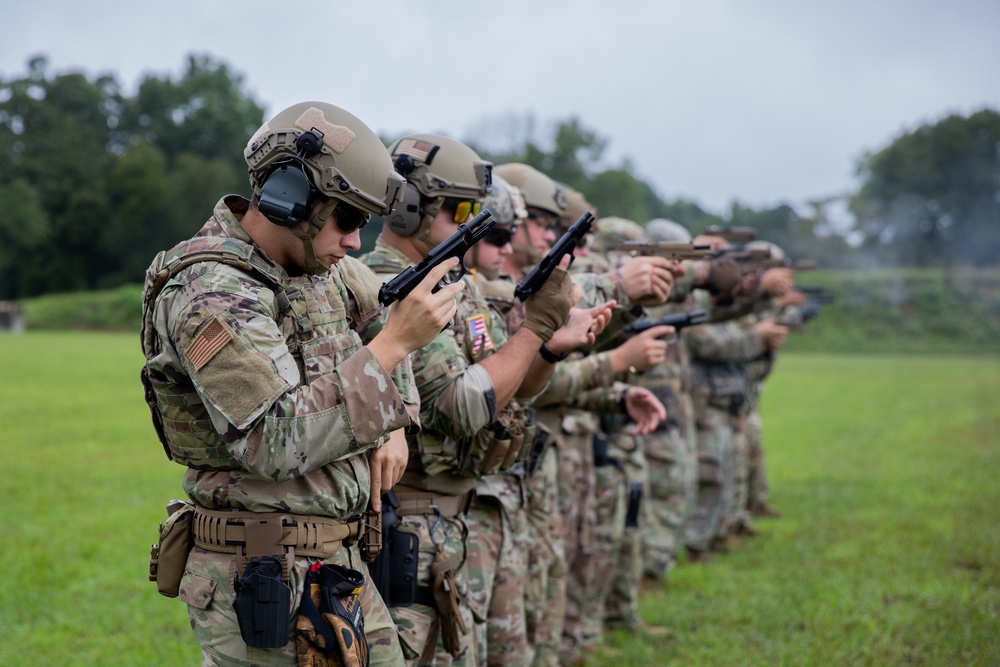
(765, 511)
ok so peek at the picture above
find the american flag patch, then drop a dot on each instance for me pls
(207, 343)
(479, 334)
(418, 149)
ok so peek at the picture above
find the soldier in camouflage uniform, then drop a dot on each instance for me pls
(671, 453)
(263, 381)
(519, 490)
(470, 380)
(564, 537)
(779, 300)
(719, 354)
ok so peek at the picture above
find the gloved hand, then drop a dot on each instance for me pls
(548, 309)
(330, 628)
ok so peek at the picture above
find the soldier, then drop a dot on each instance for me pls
(518, 490)
(264, 382)
(778, 301)
(470, 378)
(671, 452)
(719, 353)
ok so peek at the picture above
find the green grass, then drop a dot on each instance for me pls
(885, 468)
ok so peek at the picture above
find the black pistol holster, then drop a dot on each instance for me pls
(263, 603)
(394, 570)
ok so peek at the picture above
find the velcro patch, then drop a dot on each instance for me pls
(337, 137)
(206, 344)
(479, 334)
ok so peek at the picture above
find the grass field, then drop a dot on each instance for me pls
(885, 468)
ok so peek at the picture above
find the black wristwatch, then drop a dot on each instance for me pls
(549, 356)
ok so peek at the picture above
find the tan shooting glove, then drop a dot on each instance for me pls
(548, 309)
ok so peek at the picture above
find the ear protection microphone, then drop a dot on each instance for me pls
(288, 194)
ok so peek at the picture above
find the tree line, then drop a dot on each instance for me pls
(94, 181)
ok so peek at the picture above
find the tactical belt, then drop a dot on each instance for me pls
(253, 533)
(414, 501)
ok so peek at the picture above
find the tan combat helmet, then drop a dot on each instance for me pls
(343, 157)
(314, 152)
(776, 252)
(436, 168)
(505, 202)
(576, 205)
(662, 230)
(539, 190)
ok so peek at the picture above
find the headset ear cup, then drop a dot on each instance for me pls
(405, 218)
(287, 195)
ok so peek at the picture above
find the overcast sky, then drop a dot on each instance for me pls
(761, 101)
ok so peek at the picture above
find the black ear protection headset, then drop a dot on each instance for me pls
(288, 194)
(405, 219)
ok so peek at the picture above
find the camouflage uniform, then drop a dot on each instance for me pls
(719, 353)
(505, 537)
(570, 571)
(269, 396)
(457, 404)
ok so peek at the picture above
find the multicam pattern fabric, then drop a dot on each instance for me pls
(458, 405)
(293, 399)
(456, 396)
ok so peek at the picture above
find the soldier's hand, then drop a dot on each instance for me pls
(648, 280)
(777, 281)
(792, 298)
(774, 334)
(387, 464)
(548, 309)
(421, 316)
(645, 409)
(641, 351)
(582, 329)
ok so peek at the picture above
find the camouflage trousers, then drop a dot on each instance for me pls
(715, 479)
(757, 487)
(737, 514)
(417, 624)
(545, 589)
(498, 544)
(621, 608)
(207, 588)
(672, 460)
(587, 589)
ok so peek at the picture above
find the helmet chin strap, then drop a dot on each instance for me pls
(312, 265)
(431, 209)
(530, 254)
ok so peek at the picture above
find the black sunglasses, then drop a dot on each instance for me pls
(350, 218)
(499, 236)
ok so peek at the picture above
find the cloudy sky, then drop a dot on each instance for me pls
(762, 101)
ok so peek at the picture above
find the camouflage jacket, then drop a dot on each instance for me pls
(269, 395)
(458, 412)
(719, 354)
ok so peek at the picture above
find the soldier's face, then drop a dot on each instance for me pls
(332, 244)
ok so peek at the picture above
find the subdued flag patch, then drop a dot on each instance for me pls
(479, 334)
(207, 343)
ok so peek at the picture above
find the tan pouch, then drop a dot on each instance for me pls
(449, 600)
(168, 558)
